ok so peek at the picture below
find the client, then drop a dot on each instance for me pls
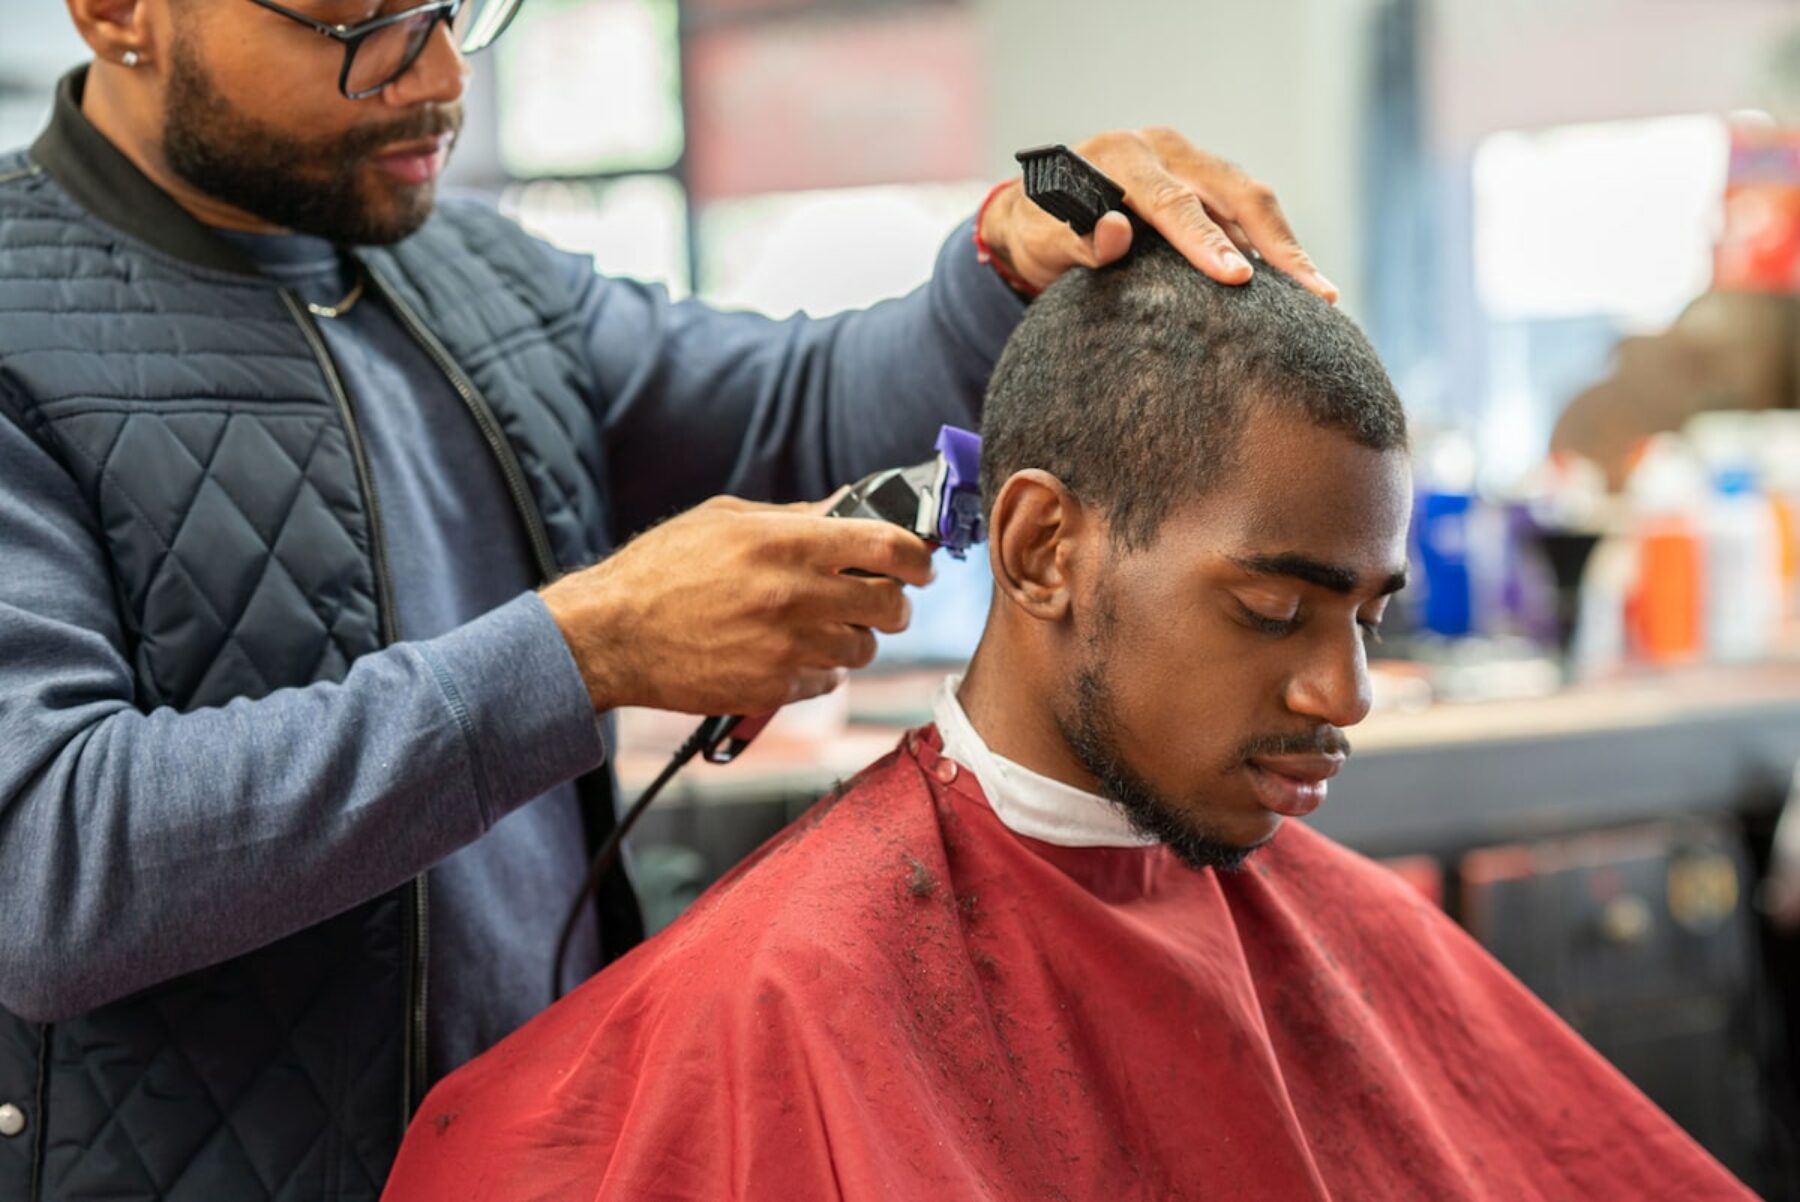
(1065, 943)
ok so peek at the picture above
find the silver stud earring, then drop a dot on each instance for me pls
(130, 58)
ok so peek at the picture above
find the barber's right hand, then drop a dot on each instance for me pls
(737, 608)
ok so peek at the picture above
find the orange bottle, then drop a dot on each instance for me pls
(1667, 621)
(1787, 523)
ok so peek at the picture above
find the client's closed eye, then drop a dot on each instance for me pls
(1268, 623)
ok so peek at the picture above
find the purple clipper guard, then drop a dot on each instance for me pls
(959, 505)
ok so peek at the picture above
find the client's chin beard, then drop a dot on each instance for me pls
(1091, 733)
(309, 185)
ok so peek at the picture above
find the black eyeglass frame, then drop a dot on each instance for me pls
(351, 37)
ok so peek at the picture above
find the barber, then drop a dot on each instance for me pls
(297, 770)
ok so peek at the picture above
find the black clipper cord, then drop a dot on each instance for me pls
(608, 855)
(891, 496)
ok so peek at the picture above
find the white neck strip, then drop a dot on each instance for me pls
(1029, 803)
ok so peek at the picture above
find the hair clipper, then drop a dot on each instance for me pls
(938, 500)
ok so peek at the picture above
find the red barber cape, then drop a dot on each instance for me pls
(899, 998)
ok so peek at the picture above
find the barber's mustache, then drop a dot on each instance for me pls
(1327, 740)
(433, 122)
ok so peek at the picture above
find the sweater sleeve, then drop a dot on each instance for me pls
(696, 402)
(135, 847)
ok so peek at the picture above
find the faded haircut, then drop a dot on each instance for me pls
(1133, 384)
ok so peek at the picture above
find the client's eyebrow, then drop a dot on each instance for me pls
(1330, 576)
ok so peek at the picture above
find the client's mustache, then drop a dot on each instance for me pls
(1327, 740)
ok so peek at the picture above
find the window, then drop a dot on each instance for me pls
(1581, 234)
(1617, 219)
(591, 87)
(778, 155)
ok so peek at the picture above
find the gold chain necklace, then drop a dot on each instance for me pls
(344, 306)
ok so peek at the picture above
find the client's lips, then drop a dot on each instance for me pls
(417, 162)
(1294, 785)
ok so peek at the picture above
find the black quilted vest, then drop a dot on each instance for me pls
(194, 403)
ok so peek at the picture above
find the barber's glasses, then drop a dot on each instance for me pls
(382, 49)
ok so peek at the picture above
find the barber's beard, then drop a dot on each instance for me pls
(310, 185)
(1090, 727)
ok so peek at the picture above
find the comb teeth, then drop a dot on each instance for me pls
(1068, 187)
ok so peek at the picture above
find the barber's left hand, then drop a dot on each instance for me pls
(1207, 208)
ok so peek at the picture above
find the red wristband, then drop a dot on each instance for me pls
(985, 253)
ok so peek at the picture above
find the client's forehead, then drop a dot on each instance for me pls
(1298, 488)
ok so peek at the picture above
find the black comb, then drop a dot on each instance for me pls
(1068, 187)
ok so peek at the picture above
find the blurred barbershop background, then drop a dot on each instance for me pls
(1572, 227)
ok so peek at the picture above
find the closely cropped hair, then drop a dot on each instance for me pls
(1132, 384)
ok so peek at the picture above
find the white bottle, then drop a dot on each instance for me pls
(1600, 644)
(1778, 453)
(1743, 570)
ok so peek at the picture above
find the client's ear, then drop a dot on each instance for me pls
(1036, 534)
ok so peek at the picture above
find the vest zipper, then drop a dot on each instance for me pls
(40, 1117)
(414, 899)
(504, 457)
(485, 421)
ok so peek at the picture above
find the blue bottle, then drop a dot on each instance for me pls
(1440, 539)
